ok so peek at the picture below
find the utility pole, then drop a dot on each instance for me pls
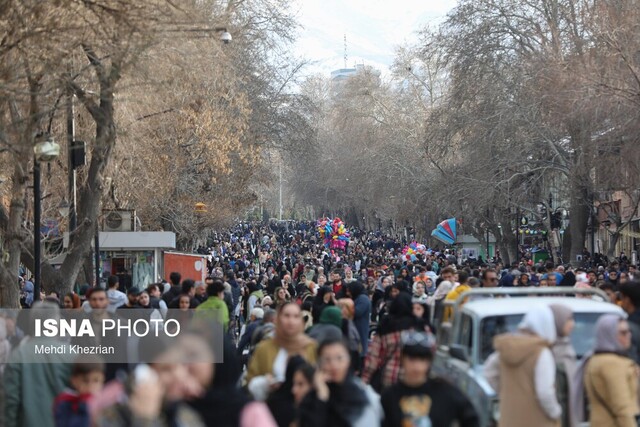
(37, 210)
(517, 257)
(71, 146)
(96, 255)
(280, 212)
(487, 254)
(594, 218)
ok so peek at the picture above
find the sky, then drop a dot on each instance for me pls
(374, 28)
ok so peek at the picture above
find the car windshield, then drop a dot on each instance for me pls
(582, 337)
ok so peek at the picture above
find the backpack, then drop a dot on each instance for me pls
(261, 333)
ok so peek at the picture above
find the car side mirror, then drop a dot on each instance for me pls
(459, 352)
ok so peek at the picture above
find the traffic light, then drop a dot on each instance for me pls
(556, 220)
(77, 154)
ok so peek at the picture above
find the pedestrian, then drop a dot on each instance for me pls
(436, 302)
(361, 314)
(302, 383)
(350, 332)
(174, 288)
(382, 364)
(267, 366)
(71, 301)
(182, 315)
(522, 371)
(5, 344)
(453, 295)
(338, 398)
(630, 303)
(158, 389)
(609, 376)
(71, 407)
(116, 298)
(324, 298)
(419, 291)
(281, 402)
(31, 386)
(417, 400)
(566, 361)
(329, 326)
(255, 321)
(214, 307)
(421, 313)
(280, 297)
(223, 403)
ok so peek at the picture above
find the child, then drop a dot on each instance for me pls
(417, 399)
(71, 407)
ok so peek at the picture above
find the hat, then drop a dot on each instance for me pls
(133, 291)
(267, 301)
(331, 315)
(418, 344)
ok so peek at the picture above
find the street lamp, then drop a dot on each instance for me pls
(45, 151)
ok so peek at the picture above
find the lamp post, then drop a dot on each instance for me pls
(45, 151)
(487, 255)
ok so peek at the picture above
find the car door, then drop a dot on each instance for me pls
(452, 359)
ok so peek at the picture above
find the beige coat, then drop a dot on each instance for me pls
(518, 403)
(611, 382)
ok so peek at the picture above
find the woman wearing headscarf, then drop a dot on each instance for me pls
(566, 361)
(506, 281)
(609, 376)
(420, 291)
(382, 364)
(522, 371)
(436, 302)
(350, 332)
(362, 313)
(569, 279)
(268, 364)
(281, 402)
(523, 280)
(338, 398)
(223, 403)
(324, 298)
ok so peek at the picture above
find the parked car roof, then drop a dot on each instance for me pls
(506, 306)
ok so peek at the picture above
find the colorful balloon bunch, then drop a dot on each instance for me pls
(414, 248)
(333, 232)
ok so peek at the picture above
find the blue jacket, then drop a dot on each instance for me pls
(361, 320)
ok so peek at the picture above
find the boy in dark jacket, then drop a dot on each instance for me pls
(71, 407)
(418, 400)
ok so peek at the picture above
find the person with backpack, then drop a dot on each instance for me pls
(254, 296)
(255, 321)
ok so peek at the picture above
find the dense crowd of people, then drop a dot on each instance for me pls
(315, 337)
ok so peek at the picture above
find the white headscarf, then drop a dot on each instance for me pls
(539, 320)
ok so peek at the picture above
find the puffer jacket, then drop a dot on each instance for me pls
(611, 382)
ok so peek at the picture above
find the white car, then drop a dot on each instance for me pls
(465, 344)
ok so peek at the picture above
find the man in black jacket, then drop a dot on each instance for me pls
(419, 400)
(175, 289)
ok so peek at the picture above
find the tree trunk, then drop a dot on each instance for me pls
(15, 235)
(90, 194)
(613, 241)
(578, 224)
